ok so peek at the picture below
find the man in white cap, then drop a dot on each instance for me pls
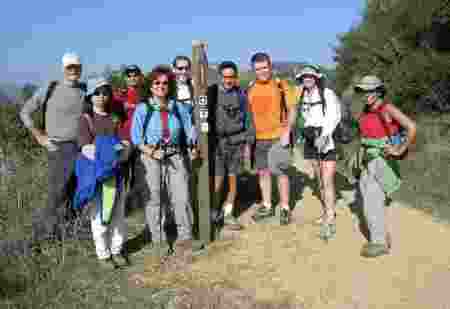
(61, 103)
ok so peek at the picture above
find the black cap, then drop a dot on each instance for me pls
(132, 68)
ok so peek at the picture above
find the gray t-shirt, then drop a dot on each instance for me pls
(63, 111)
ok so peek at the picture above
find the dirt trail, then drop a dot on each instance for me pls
(291, 262)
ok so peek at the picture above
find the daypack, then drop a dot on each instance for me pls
(344, 132)
(150, 109)
(229, 115)
(51, 88)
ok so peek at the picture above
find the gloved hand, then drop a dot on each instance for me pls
(88, 151)
(321, 142)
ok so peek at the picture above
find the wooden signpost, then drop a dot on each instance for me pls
(204, 186)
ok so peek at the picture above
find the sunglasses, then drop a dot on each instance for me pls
(182, 68)
(229, 77)
(160, 83)
(104, 93)
(73, 67)
(309, 76)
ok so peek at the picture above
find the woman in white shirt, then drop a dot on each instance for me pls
(320, 108)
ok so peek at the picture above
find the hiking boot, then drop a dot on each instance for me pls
(121, 260)
(332, 228)
(108, 264)
(372, 250)
(263, 212)
(232, 223)
(285, 216)
(326, 231)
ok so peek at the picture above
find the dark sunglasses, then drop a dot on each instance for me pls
(310, 76)
(133, 74)
(182, 68)
(102, 92)
(160, 83)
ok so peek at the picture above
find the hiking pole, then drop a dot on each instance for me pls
(162, 149)
(167, 211)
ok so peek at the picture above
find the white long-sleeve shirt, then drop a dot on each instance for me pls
(314, 116)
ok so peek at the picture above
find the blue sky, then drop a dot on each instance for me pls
(35, 34)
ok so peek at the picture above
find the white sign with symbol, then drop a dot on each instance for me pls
(203, 114)
(204, 127)
(202, 100)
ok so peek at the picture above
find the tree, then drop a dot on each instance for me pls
(393, 42)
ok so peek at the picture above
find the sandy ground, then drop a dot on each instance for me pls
(276, 262)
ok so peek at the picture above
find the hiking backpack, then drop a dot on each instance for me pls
(150, 109)
(229, 117)
(343, 133)
(51, 88)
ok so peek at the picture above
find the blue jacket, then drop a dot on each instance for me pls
(91, 173)
(153, 131)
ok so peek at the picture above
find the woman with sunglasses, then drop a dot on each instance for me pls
(320, 108)
(380, 126)
(158, 129)
(97, 120)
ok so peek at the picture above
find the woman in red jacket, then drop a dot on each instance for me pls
(382, 145)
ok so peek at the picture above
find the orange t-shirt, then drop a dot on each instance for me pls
(265, 103)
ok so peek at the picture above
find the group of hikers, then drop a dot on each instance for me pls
(127, 144)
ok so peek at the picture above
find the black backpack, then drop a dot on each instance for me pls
(229, 117)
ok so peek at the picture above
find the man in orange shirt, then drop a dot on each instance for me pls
(272, 103)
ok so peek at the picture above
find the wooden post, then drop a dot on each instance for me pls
(204, 187)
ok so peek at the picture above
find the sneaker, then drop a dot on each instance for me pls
(232, 223)
(372, 250)
(263, 212)
(327, 231)
(285, 216)
(108, 264)
(332, 228)
(121, 260)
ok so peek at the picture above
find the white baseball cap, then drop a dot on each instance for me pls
(70, 59)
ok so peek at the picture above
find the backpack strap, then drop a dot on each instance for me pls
(176, 112)
(283, 104)
(148, 116)
(90, 123)
(48, 94)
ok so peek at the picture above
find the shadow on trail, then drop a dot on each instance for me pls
(249, 191)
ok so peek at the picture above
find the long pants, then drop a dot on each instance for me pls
(173, 172)
(61, 163)
(109, 238)
(372, 198)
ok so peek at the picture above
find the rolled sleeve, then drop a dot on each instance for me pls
(31, 105)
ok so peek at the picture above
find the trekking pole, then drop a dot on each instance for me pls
(161, 187)
(162, 148)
